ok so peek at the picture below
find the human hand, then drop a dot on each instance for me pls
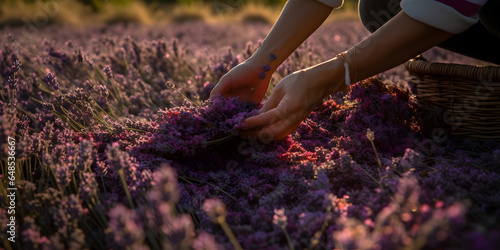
(243, 81)
(291, 102)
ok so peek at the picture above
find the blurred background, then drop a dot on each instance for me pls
(19, 13)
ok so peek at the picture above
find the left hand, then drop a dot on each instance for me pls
(241, 80)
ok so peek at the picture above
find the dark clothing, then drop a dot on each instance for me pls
(480, 41)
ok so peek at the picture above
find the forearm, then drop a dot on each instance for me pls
(397, 41)
(298, 20)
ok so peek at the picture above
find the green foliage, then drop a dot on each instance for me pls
(97, 5)
(234, 3)
(350, 4)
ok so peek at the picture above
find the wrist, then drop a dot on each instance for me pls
(327, 77)
(261, 60)
(265, 64)
(268, 55)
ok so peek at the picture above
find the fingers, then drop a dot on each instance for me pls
(263, 119)
(270, 113)
(273, 101)
(273, 132)
(219, 88)
(273, 124)
(278, 130)
(227, 88)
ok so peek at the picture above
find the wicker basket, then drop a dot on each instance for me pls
(469, 94)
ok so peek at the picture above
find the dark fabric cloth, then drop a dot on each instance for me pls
(481, 41)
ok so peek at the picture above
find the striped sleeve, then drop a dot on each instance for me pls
(332, 3)
(454, 16)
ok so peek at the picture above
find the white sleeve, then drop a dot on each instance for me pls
(332, 3)
(443, 16)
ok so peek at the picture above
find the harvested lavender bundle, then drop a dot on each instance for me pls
(185, 129)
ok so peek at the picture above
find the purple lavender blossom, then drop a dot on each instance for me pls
(16, 66)
(32, 237)
(126, 231)
(84, 156)
(165, 185)
(51, 80)
(88, 186)
(12, 83)
(266, 67)
(279, 217)
(205, 241)
(215, 209)
(63, 174)
(180, 232)
(109, 73)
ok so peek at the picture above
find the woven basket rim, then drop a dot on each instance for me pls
(479, 73)
(446, 85)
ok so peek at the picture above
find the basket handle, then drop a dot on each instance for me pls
(421, 66)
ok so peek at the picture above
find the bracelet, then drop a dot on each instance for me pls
(346, 66)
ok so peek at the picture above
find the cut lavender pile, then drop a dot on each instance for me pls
(187, 129)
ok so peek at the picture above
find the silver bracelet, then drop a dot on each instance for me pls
(346, 66)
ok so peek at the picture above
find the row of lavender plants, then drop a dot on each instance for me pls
(117, 147)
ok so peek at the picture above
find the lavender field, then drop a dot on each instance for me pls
(108, 141)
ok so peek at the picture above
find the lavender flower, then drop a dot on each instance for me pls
(126, 231)
(63, 174)
(109, 73)
(16, 66)
(84, 156)
(51, 80)
(215, 209)
(266, 67)
(74, 207)
(165, 185)
(88, 186)
(180, 233)
(12, 83)
(279, 218)
(32, 237)
(205, 241)
(121, 160)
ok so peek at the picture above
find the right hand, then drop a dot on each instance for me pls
(291, 102)
(241, 80)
